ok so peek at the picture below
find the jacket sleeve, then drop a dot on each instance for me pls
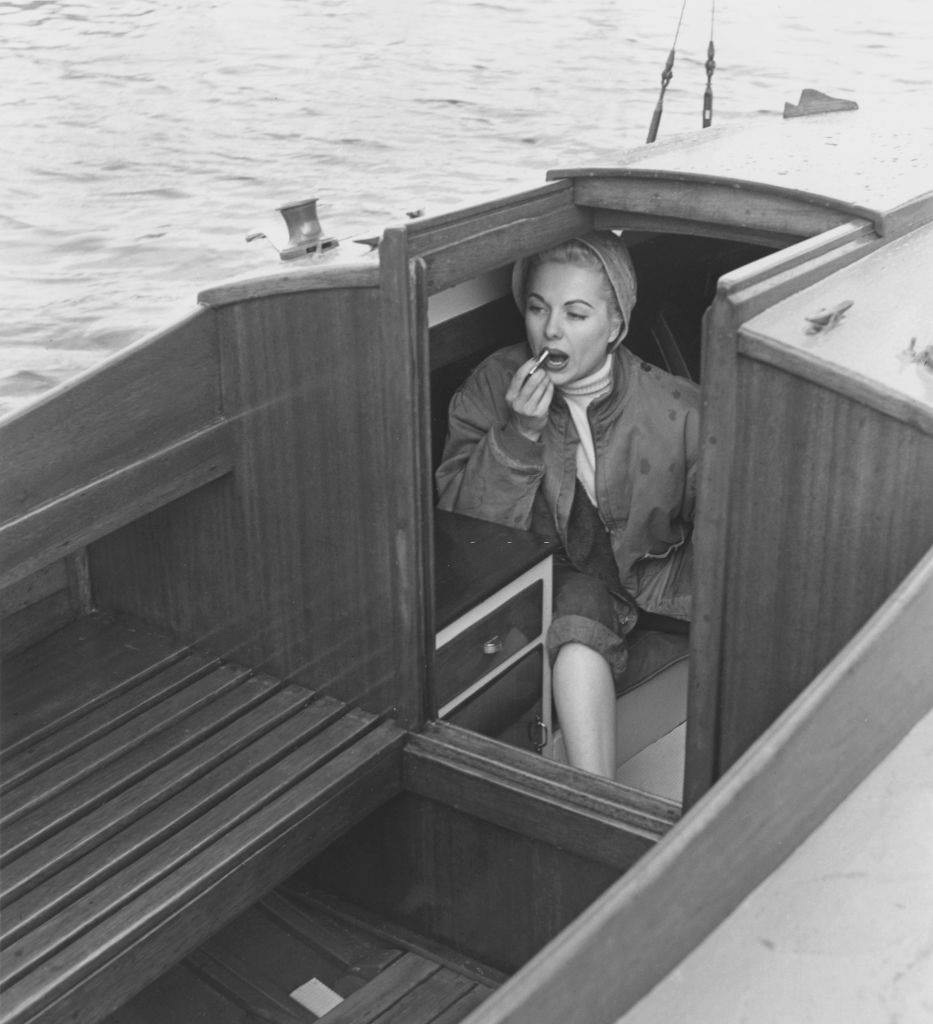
(489, 470)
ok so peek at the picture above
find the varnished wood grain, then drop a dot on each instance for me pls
(46, 686)
(823, 531)
(97, 844)
(142, 401)
(445, 229)
(852, 715)
(23, 628)
(388, 932)
(404, 317)
(46, 581)
(256, 999)
(495, 246)
(303, 275)
(70, 522)
(76, 734)
(496, 895)
(48, 801)
(446, 758)
(313, 806)
(650, 223)
(304, 560)
(369, 1003)
(182, 568)
(741, 294)
(725, 203)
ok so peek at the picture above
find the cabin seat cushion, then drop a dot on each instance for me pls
(649, 653)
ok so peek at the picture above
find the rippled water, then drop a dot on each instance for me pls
(143, 140)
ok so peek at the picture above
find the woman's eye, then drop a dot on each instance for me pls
(533, 307)
(576, 316)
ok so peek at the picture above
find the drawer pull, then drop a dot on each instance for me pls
(493, 645)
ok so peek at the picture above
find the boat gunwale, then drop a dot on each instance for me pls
(774, 796)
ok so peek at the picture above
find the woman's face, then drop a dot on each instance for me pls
(568, 312)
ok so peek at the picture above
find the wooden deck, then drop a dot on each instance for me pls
(149, 795)
(299, 956)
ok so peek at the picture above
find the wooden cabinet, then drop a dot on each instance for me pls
(493, 596)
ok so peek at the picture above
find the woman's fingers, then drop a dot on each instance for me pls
(529, 397)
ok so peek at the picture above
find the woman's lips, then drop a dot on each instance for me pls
(556, 360)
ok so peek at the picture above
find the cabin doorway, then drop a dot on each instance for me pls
(492, 588)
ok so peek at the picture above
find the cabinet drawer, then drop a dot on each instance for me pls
(488, 643)
(508, 706)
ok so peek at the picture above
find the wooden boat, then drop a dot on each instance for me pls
(265, 714)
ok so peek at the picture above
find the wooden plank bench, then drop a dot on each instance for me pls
(149, 794)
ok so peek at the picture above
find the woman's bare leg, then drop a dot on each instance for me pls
(584, 696)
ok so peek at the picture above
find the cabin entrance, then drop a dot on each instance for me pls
(493, 586)
(709, 257)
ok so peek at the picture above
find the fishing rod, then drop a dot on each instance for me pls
(710, 68)
(668, 73)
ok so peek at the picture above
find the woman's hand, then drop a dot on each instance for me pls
(529, 398)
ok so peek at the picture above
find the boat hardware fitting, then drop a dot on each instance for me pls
(827, 319)
(305, 234)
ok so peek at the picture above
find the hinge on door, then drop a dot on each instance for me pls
(538, 733)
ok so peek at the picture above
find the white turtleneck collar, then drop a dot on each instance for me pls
(579, 394)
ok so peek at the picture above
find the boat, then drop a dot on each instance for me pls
(277, 740)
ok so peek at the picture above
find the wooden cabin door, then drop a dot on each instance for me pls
(816, 475)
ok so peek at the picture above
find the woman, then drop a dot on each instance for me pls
(590, 444)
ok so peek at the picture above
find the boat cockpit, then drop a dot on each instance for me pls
(277, 735)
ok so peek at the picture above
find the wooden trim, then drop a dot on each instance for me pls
(449, 228)
(424, 528)
(144, 398)
(534, 797)
(904, 218)
(855, 712)
(842, 381)
(79, 581)
(303, 278)
(466, 257)
(403, 311)
(622, 220)
(698, 197)
(49, 580)
(741, 294)
(77, 518)
(622, 178)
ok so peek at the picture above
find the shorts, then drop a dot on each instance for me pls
(586, 611)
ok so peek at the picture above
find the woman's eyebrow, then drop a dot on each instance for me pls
(569, 302)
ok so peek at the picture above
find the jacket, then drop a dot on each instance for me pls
(645, 433)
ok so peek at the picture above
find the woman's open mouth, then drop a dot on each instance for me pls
(556, 360)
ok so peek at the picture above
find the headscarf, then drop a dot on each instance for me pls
(616, 262)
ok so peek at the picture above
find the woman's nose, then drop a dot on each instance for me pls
(553, 327)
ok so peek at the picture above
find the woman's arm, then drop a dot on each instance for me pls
(489, 469)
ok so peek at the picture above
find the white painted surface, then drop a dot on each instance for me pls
(315, 996)
(891, 292)
(659, 768)
(877, 158)
(842, 932)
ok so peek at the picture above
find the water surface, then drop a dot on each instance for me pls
(143, 140)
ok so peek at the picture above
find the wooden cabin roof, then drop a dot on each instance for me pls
(873, 159)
